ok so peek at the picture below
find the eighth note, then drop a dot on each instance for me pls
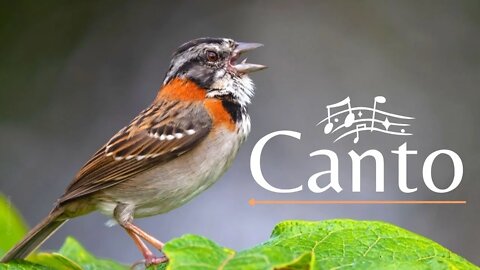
(348, 120)
(378, 99)
(356, 130)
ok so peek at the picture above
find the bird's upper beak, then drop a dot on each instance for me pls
(243, 67)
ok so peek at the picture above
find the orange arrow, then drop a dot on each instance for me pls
(254, 202)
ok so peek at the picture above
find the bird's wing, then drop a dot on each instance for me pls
(159, 134)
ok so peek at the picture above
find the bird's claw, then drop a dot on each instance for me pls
(148, 261)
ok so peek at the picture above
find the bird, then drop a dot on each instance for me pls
(174, 149)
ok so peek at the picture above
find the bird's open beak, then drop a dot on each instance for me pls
(245, 67)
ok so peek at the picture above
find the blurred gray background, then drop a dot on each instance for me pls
(73, 73)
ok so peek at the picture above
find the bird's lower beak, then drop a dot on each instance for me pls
(244, 67)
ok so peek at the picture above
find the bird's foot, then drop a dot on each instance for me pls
(153, 260)
(149, 261)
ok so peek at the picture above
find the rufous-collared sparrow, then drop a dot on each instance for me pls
(173, 150)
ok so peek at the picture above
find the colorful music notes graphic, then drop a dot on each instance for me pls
(348, 120)
(356, 129)
(377, 99)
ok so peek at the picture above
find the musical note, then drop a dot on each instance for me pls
(348, 120)
(391, 124)
(356, 130)
(378, 99)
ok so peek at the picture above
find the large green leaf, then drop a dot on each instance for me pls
(332, 244)
(12, 226)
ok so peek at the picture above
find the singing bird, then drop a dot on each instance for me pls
(173, 150)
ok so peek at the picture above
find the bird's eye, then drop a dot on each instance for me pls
(212, 56)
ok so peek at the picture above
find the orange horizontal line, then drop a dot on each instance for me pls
(254, 202)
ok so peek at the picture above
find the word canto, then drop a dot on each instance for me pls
(356, 158)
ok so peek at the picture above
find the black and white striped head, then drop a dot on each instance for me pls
(212, 64)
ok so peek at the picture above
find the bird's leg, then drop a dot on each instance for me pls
(123, 214)
(150, 258)
(150, 239)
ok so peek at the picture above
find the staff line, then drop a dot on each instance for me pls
(367, 109)
(368, 121)
(368, 129)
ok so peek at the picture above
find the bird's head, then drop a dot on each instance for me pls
(213, 64)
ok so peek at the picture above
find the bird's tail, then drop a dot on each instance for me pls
(35, 237)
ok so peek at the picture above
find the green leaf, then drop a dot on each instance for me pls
(196, 252)
(74, 251)
(354, 244)
(294, 245)
(22, 265)
(55, 261)
(332, 244)
(73, 256)
(12, 226)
